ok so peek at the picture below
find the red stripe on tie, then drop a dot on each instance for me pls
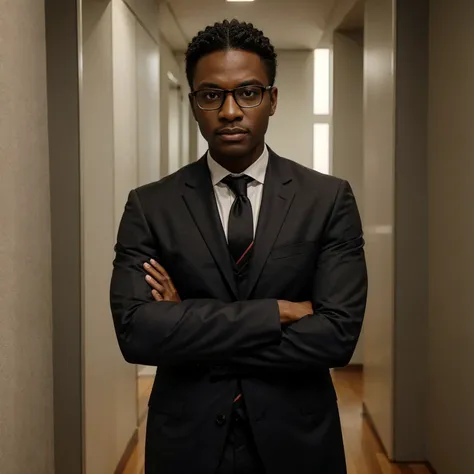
(237, 398)
(245, 253)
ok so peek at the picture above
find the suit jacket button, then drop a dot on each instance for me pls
(221, 420)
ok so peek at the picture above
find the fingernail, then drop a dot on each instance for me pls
(152, 261)
(146, 265)
(148, 277)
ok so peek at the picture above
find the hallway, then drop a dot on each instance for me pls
(95, 103)
(363, 450)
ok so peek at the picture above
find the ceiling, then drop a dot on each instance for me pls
(290, 24)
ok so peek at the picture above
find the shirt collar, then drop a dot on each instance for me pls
(256, 170)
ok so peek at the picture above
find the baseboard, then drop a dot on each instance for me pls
(127, 454)
(370, 422)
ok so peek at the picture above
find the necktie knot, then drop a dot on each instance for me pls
(238, 184)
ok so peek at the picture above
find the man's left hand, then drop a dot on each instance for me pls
(163, 288)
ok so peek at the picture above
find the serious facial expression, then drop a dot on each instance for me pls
(233, 132)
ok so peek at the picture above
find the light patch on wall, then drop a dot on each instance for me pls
(153, 68)
(322, 89)
(202, 145)
(321, 147)
(173, 78)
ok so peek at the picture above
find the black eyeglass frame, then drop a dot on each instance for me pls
(231, 91)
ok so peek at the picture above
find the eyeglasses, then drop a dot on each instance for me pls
(246, 97)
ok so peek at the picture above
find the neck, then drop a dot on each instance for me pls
(238, 164)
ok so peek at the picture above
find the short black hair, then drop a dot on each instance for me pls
(231, 35)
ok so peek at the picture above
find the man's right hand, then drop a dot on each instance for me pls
(292, 312)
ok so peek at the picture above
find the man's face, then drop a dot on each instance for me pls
(228, 70)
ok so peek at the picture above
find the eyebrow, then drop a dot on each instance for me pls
(211, 85)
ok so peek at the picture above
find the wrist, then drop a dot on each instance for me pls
(286, 313)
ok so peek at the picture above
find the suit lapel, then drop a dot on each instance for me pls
(278, 194)
(200, 200)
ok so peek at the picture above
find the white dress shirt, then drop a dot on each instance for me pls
(225, 197)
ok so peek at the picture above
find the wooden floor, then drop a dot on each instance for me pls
(145, 384)
(363, 451)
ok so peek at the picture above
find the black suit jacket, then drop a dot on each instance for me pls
(308, 246)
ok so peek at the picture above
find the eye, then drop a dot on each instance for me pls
(249, 93)
(211, 95)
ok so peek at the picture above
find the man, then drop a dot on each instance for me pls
(242, 277)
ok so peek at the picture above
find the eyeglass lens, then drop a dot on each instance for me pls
(248, 96)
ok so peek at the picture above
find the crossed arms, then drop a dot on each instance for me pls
(158, 328)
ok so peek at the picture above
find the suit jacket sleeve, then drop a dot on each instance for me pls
(152, 333)
(328, 337)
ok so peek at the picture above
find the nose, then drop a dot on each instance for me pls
(230, 110)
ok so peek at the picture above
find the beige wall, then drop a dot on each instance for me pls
(148, 105)
(378, 205)
(26, 387)
(294, 138)
(337, 15)
(101, 357)
(168, 63)
(190, 128)
(175, 157)
(347, 117)
(450, 428)
(64, 156)
(147, 13)
(395, 221)
(411, 229)
(120, 151)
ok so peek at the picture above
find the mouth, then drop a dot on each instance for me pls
(232, 134)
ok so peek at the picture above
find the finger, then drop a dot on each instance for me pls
(157, 295)
(168, 284)
(154, 284)
(166, 296)
(159, 268)
(164, 278)
(153, 272)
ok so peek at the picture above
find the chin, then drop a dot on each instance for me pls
(234, 150)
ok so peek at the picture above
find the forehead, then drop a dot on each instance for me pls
(228, 69)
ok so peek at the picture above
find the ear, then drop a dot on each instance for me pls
(192, 103)
(273, 101)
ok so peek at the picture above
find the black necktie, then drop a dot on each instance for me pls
(240, 226)
(240, 241)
